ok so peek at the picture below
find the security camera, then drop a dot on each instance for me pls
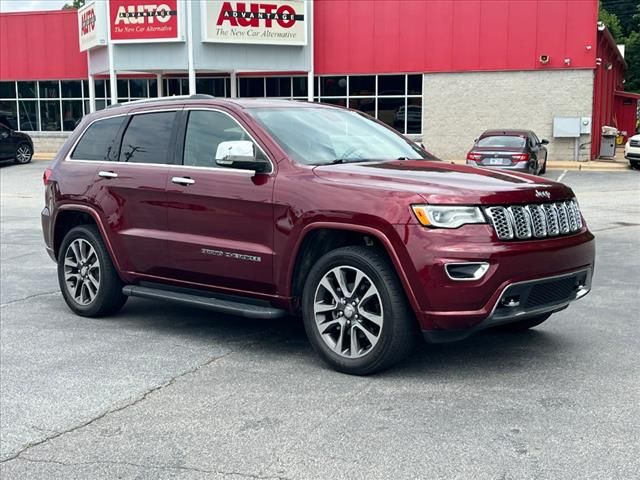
(601, 26)
(544, 59)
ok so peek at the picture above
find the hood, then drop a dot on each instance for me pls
(446, 183)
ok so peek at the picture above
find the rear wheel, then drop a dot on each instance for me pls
(355, 311)
(88, 280)
(23, 153)
(522, 324)
(635, 164)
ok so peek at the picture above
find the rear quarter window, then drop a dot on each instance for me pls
(98, 140)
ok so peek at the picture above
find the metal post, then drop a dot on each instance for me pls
(192, 70)
(159, 82)
(112, 71)
(310, 75)
(234, 85)
(92, 85)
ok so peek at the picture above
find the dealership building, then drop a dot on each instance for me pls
(438, 71)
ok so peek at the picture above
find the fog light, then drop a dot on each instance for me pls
(511, 302)
(466, 271)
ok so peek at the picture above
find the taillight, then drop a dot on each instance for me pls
(46, 176)
(520, 157)
(474, 156)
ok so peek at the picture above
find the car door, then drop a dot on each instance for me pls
(7, 146)
(131, 192)
(220, 219)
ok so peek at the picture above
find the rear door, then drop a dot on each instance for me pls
(220, 219)
(131, 192)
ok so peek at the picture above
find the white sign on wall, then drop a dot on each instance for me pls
(92, 25)
(274, 23)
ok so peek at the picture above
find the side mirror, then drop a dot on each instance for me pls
(544, 141)
(240, 154)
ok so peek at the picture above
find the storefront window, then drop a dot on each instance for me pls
(123, 88)
(71, 88)
(153, 88)
(138, 88)
(392, 112)
(28, 115)
(278, 87)
(333, 86)
(210, 86)
(394, 99)
(300, 87)
(50, 115)
(7, 89)
(71, 114)
(362, 85)
(27, 90)
(251, 87)
(8, 114)
(50, 90)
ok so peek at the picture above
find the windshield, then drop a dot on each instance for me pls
(511, 141)
(321, 136)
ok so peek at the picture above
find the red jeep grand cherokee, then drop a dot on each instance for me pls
(263, 208)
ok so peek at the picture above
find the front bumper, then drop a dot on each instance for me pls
(444, 304)
(523, 300)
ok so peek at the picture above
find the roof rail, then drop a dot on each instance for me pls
(174, 98)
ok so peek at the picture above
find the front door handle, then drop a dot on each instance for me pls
(104, 174)
(183, 180)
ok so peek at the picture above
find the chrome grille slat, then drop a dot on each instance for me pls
(522, 222)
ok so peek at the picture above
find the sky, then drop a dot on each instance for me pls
(27, 5)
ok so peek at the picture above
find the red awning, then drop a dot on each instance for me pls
(620, 93)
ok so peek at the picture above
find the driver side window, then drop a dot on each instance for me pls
(205, 131)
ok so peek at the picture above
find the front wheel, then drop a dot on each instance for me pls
(522, 324)
(88, 280)
(24, 153)
(355, 311)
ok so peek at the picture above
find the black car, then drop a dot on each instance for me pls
(16, 146)
(519, 150)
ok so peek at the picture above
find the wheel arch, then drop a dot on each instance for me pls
(69, 216)
(320, 238)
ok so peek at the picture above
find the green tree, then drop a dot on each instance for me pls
(612, 22)
(75, 4)
(632, 57)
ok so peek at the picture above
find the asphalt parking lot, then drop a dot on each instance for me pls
(161, 391)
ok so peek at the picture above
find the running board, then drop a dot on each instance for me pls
(231, 307)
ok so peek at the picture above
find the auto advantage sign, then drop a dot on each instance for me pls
(274, 23)
(145, 21)
(92, 30)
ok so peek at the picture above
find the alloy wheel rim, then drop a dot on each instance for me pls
(82, 271)
(23, 154)
(348, 312)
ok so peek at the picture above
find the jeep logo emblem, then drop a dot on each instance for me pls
(543, 194)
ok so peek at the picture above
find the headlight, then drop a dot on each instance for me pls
(447, 216)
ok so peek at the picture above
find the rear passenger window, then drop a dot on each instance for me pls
(147, 138)
(205, 131)
(98, 140)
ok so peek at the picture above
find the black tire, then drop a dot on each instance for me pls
(635, 164)
(522, 325)
(109, 297)
(24, 154)
(398, 332)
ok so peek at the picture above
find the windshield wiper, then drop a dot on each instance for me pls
(347, 160)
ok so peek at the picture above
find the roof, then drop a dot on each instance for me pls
(620, 93)
(506, 131)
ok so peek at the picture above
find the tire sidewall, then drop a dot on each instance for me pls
(348, 365)
(90, 235)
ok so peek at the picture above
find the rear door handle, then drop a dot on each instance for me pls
(183, 180)
(104, 174)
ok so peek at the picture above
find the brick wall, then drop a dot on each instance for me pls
(47, 142)
(457, 107)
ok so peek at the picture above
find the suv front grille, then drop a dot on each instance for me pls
(535, 220)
